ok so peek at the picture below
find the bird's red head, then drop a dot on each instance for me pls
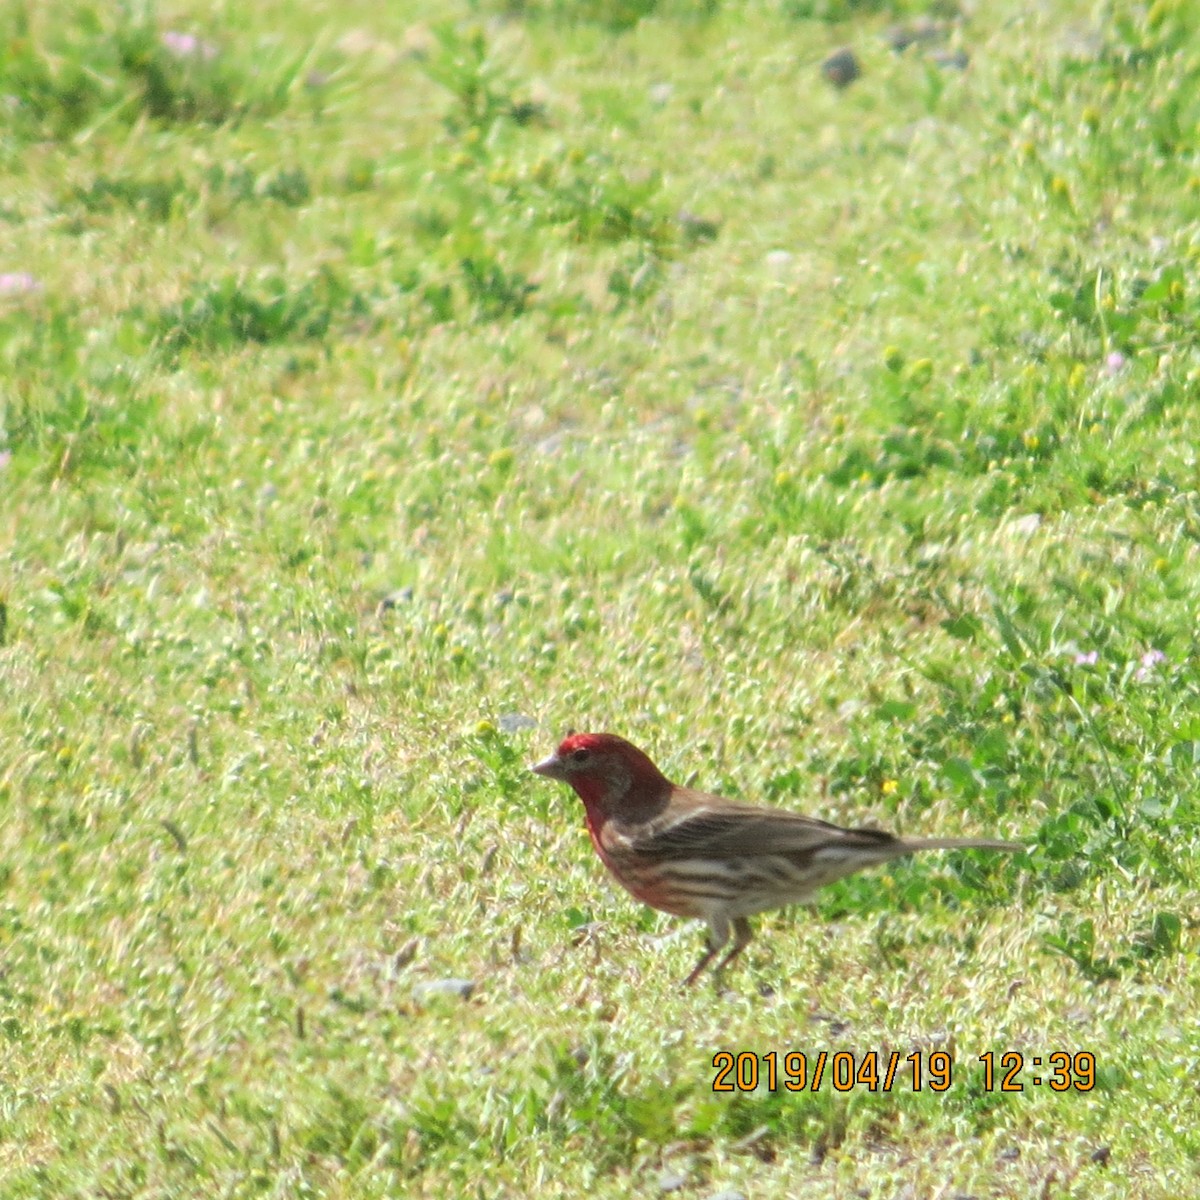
(611, 776)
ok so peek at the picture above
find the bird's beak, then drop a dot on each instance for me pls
(551, 767)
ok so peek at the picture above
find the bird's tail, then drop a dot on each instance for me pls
(953, 843)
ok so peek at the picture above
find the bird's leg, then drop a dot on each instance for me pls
(742, 936)
(718, 935)
(698, 969)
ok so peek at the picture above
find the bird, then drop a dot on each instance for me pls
(697, 855)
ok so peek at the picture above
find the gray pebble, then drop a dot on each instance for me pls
(462, 988)
(841, 68)
(395, 599)
(515, 722)
(951, 60)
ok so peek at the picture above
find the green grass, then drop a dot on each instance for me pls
(382, 396)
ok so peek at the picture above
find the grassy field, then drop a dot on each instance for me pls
(384, 393)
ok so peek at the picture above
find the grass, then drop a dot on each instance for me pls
(384, 396)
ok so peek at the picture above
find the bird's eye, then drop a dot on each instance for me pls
(580, 755)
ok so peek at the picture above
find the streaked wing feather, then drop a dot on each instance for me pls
(713, 827)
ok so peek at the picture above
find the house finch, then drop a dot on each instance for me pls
(697, 855)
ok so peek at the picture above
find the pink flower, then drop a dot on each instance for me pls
(188, 45)
(17, 283)
(1114, 364)
(1150, 660)
(1087, 660)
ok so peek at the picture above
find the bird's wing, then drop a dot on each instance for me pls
(704, 826)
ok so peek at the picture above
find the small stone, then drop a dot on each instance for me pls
(951, 60)
(395, 599)
(779, 260)
(672, 1181)
(841, 68)
(696, 228)
(459, 988)
(515, 722)
(1011, 1154)
(661, 93)
(727, 1194)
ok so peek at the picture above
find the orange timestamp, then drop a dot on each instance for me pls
(843, 1071)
